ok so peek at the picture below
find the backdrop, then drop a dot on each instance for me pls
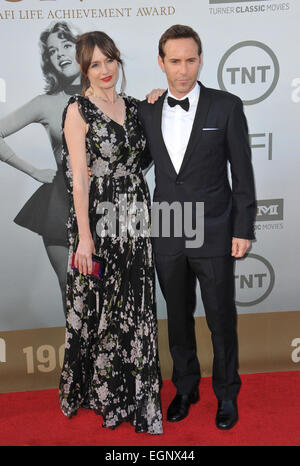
(249, 49)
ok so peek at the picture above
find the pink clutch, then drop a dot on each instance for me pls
(98, 266)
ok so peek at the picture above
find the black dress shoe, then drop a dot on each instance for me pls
(227, 414)
(179, 408)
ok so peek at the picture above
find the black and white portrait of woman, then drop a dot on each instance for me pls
(46, 212)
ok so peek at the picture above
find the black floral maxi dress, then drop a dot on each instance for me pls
(111, 360)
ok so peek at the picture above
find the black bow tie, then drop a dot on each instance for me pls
(183, 103)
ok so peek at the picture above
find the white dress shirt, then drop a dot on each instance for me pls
(177, 125)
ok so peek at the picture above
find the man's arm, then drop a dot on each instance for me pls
(243, 188)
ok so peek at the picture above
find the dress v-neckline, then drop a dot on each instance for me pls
(107, 116)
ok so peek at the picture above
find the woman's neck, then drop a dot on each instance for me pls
(108, 95)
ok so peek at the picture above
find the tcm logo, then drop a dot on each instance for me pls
(2, 350)
(296, 352)
(2, 90)
(269, 209)
(254, 280)
(249, 69)
(296, 90)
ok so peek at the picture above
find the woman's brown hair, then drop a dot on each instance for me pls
(85, 46)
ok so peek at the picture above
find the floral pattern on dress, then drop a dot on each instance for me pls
(111, 362)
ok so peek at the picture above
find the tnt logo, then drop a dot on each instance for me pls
(249, 69)
(254, 280)
(2, 350)
(252, 75)
(269, 209)
(2, 90)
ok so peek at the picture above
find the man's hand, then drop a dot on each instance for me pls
(239, 247)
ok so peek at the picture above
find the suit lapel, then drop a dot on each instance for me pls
(165, 157)
(199, 121)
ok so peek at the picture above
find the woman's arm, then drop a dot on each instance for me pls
(24, 116)
(75, 131)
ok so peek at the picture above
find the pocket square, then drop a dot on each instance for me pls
(210, 129)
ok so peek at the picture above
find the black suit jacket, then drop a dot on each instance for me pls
(229, 211)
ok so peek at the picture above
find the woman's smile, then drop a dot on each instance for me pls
(62, 55)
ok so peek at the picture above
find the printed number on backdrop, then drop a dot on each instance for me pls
(44, 359)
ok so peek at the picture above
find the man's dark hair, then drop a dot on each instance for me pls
(178, 31)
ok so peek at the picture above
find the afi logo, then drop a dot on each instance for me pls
(262, 141)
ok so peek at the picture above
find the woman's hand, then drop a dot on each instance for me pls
(154, 95)
(83, 256)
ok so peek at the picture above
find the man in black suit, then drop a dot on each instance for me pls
(192, 133)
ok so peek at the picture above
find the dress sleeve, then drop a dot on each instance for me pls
(147, 160)
(82, 107)
(84, 112)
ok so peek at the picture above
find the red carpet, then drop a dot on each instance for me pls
(269, 411)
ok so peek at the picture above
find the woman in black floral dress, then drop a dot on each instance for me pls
(111, 360)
